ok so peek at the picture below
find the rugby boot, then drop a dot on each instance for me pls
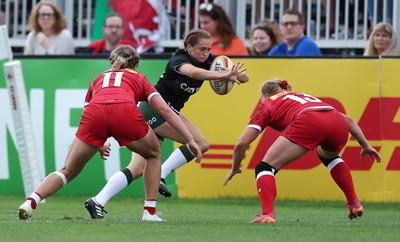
(355, 210)
(25, 210)
(95, 210)
(264, 219)
(163, 190)
(147, 217)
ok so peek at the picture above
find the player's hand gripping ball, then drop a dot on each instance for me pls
(221, 87)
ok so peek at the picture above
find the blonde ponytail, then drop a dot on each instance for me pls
(124, 56)
(275, 85)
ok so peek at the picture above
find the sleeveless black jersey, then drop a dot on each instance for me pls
(175, 87)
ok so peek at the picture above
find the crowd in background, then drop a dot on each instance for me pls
(49, 34)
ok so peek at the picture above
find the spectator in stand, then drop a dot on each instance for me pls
(49, 35)
(214, 20)
(296, 43)
(382, 41)
(113, 35)
(264, 37)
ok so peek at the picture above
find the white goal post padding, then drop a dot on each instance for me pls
(22, 124)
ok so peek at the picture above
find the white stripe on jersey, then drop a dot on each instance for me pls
(151, 96)
(316, 108)
(254, 126)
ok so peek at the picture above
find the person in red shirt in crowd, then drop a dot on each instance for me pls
(214, 20)
(113, 35)
(111, 111)
(306, 123)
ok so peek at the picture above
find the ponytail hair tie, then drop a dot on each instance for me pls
(283, 84)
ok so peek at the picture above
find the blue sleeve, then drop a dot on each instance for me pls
(275, 51)
(308, 48)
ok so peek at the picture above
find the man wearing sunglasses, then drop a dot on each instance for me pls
(296, 43)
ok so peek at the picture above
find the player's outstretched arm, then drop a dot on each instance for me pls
(197, 73)
(248, 136)
(357, 133)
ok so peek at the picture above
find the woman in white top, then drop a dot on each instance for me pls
(49, 33)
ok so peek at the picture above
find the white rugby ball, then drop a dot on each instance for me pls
(221, 87)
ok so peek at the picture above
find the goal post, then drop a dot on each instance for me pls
(25, 142)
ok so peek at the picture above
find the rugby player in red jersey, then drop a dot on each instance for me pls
(306, 123)
(111, 111)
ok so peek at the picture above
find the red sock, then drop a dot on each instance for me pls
(35, 198)
(152, 210)
(40, 196)
(266, 188)
(33, 202)
(342, 176)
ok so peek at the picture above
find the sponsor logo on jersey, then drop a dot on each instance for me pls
(187, 89)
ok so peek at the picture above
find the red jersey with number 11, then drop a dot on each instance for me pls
(279, 110)
(117, 86)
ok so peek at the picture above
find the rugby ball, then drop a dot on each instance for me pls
(221, 87)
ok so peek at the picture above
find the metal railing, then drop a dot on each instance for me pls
(331, 23)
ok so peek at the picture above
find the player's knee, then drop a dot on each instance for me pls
(70, 172)
(265, 167)
(150, 150)
(154, 153)
(326, 162)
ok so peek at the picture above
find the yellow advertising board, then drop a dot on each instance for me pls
(365, 89)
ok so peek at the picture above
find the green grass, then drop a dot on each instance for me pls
(65, 219)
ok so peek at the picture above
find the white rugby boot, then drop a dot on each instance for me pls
(25, 210)
(151, 218)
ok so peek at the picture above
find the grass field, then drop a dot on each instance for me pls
(65, 219)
